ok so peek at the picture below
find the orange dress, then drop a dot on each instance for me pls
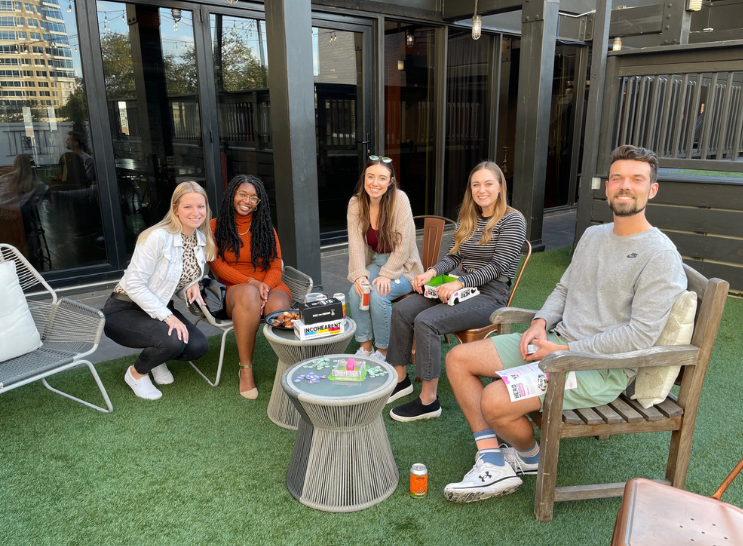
(230, 273)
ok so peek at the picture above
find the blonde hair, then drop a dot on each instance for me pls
(172, 224)
(469, 210)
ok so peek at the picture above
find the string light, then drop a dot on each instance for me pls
(69, 7)
(123, 18)
(617, 46)
(176, 14)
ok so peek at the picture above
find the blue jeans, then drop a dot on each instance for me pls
(375, 321)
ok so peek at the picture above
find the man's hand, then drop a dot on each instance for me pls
(544, 347)
(537, 331)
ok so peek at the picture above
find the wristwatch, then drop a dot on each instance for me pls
(166, 318)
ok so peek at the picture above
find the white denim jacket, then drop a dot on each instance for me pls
(156, 267)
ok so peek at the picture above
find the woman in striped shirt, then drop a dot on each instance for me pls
(487, 246)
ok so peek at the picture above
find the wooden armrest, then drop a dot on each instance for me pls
(669, 355)
(512, 315)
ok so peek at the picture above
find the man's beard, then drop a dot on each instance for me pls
(622, 210)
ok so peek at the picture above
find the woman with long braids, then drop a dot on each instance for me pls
(487, 245)
(381, 251)
(248, 262)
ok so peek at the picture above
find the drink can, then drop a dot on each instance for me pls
(418, 481)
(341, 298)
(314, 296)
(365, 295)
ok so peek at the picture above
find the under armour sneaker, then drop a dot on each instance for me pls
(519, 465)
(161, 374)
(403, 388)
(484, 481)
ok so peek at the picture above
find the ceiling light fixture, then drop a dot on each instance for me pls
(476, 24)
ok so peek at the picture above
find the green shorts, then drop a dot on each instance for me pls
(595, 387)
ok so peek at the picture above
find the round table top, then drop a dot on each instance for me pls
(288, 337)
(336, 392)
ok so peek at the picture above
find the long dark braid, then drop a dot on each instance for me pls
(262, 241)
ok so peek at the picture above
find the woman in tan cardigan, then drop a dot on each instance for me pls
(381, 251)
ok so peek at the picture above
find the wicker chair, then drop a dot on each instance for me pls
(69, 331)
(300, 285)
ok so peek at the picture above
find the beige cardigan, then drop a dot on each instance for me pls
(404, 261)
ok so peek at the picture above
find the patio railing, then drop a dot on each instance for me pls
(685, 103)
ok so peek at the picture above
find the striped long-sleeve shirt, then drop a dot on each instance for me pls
(498, 258)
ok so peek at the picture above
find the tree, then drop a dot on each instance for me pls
(118, 68)
(241, 70)
(76, 108)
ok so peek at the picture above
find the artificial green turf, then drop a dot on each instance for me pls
(205, 466)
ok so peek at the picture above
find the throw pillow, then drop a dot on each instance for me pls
(18, 333)
(653, 384)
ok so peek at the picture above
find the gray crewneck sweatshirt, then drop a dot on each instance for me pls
(617, 293)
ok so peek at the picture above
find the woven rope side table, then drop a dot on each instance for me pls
(290, 350)
(342, 460)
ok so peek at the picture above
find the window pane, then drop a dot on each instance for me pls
(49, 198)
(409, 110)
(153, 107)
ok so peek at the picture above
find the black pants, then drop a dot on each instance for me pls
(128, 325)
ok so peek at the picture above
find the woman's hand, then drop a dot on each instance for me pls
(446, 290)
(180, 329)
(263, 290)
(422, 279)
(357, 286)
(194, 294)
(382, 284)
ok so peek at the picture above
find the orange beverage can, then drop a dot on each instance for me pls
(418, 481)
(341, 298)
(365, 295)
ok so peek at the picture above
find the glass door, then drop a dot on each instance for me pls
(342, 61)
(342, 69)
(152, 92)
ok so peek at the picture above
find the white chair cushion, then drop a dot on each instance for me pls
(18, 333)
(653, 384)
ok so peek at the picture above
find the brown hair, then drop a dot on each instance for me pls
(388, 237)
(636, 153)
(469, 210)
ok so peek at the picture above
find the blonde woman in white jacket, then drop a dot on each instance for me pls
(169, 257)
(381, 251)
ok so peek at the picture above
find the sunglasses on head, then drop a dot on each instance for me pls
(380, 158)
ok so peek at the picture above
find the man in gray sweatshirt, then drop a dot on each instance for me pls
(614, 297)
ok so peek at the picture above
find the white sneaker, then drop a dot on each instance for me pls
(521, 467)
(376, 355)
(162, 375)
(484, 481)
(142, 387)
(362, 353)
